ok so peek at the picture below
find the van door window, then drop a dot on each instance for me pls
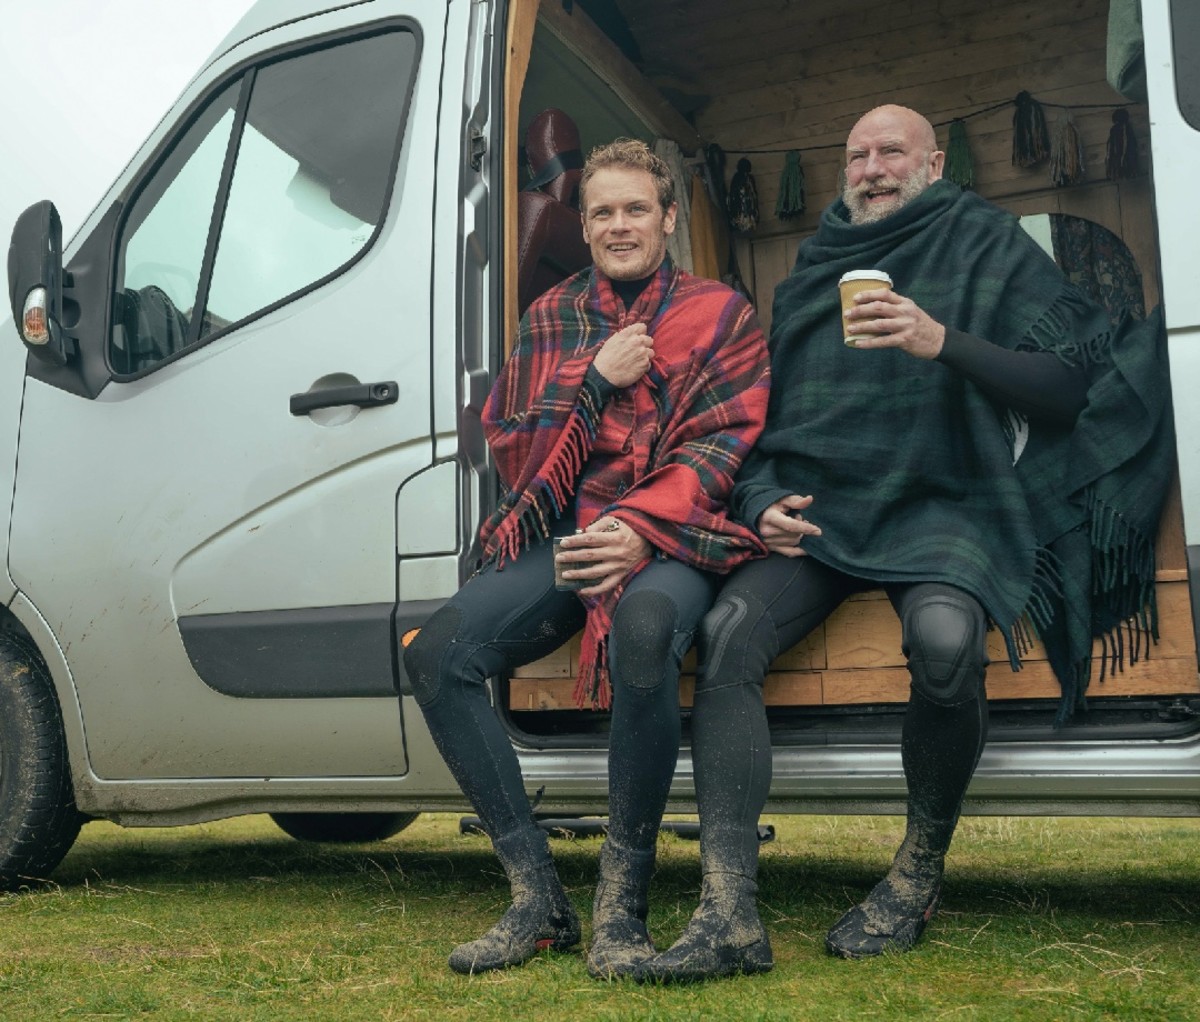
(163, 252)
(236, 229)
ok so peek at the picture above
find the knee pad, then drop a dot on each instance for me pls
(734, 646)
(425, 655)
(643, 639)
(944, 643)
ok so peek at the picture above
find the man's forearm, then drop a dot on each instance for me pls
(1035, 383)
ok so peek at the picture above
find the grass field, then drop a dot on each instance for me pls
(1042, 919)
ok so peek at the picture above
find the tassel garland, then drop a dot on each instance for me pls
(1031, 139)
(1032, 146)
(1121, 160)
(960, 168)
(1066, 154)
(790, 202)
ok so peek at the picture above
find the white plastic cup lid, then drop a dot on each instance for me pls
(866, 275)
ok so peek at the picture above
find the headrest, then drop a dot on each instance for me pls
(553, 147)
(550, 134)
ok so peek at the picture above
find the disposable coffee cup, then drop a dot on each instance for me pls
(566, 585)
(850, 285)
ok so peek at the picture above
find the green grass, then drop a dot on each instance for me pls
(1041, 920)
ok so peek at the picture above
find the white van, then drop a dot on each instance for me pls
(242, 459)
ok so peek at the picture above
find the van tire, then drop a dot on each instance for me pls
(38, 818)
(343, 828)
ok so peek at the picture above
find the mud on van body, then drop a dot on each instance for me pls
(243, 446)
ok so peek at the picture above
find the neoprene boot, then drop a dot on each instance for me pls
(895, 913)
(724, 937)
(620, 942)
(540, 917)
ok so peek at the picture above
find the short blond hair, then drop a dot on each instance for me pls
(633, 154)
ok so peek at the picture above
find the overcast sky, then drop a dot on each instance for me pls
(82, 84)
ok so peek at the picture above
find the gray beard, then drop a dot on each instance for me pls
(908, 189)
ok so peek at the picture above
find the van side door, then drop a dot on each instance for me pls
(205, 509)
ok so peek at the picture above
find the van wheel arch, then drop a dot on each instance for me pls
(38, 818)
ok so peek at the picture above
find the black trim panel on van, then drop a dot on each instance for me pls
(308, 653)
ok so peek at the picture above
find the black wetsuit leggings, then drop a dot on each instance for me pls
(503, 619)
(767, 606)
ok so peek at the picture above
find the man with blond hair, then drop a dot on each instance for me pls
(634, 393)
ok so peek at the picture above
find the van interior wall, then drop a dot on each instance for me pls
(783, 76)
(519, 28)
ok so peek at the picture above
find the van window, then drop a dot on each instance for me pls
(163, 252)
(250, 210)
(1185, 31)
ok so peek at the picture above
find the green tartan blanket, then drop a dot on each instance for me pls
(912, 467)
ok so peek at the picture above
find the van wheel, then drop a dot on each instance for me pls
(38, 818)
(343, 828)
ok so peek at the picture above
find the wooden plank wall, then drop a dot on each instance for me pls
(797, 75)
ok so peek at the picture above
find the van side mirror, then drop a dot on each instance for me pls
(35, 282)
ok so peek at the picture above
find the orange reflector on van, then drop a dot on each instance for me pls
(408, 636)
(35, 325)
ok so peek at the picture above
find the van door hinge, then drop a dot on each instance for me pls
(479, 148)
(1178, 712)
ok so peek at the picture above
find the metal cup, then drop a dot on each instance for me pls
(566, 585)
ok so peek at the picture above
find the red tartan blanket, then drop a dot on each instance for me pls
(661, 455)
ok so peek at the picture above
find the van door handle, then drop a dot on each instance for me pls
(365, 395)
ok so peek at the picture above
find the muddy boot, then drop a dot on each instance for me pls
(540, 918)
(894, 914)
(620, 943)
(724, 937)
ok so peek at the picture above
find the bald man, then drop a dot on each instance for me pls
(905, 449)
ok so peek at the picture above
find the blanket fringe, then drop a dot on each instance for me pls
(1044, 596)
(552, 494)
(1052, 332)
(1123, 590)
(1040, 619)
(1123, 597)
(1122, 573)
(593, 688)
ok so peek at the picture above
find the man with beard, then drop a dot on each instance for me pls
(904, 445)
(633, 394)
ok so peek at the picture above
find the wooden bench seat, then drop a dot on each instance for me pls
(855, 658)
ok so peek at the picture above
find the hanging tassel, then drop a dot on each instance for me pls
(1121, 160)
(790, 202)
(959, 166)
(1066, 153)
(714, 156)
(1031, 140)
(743, 199)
